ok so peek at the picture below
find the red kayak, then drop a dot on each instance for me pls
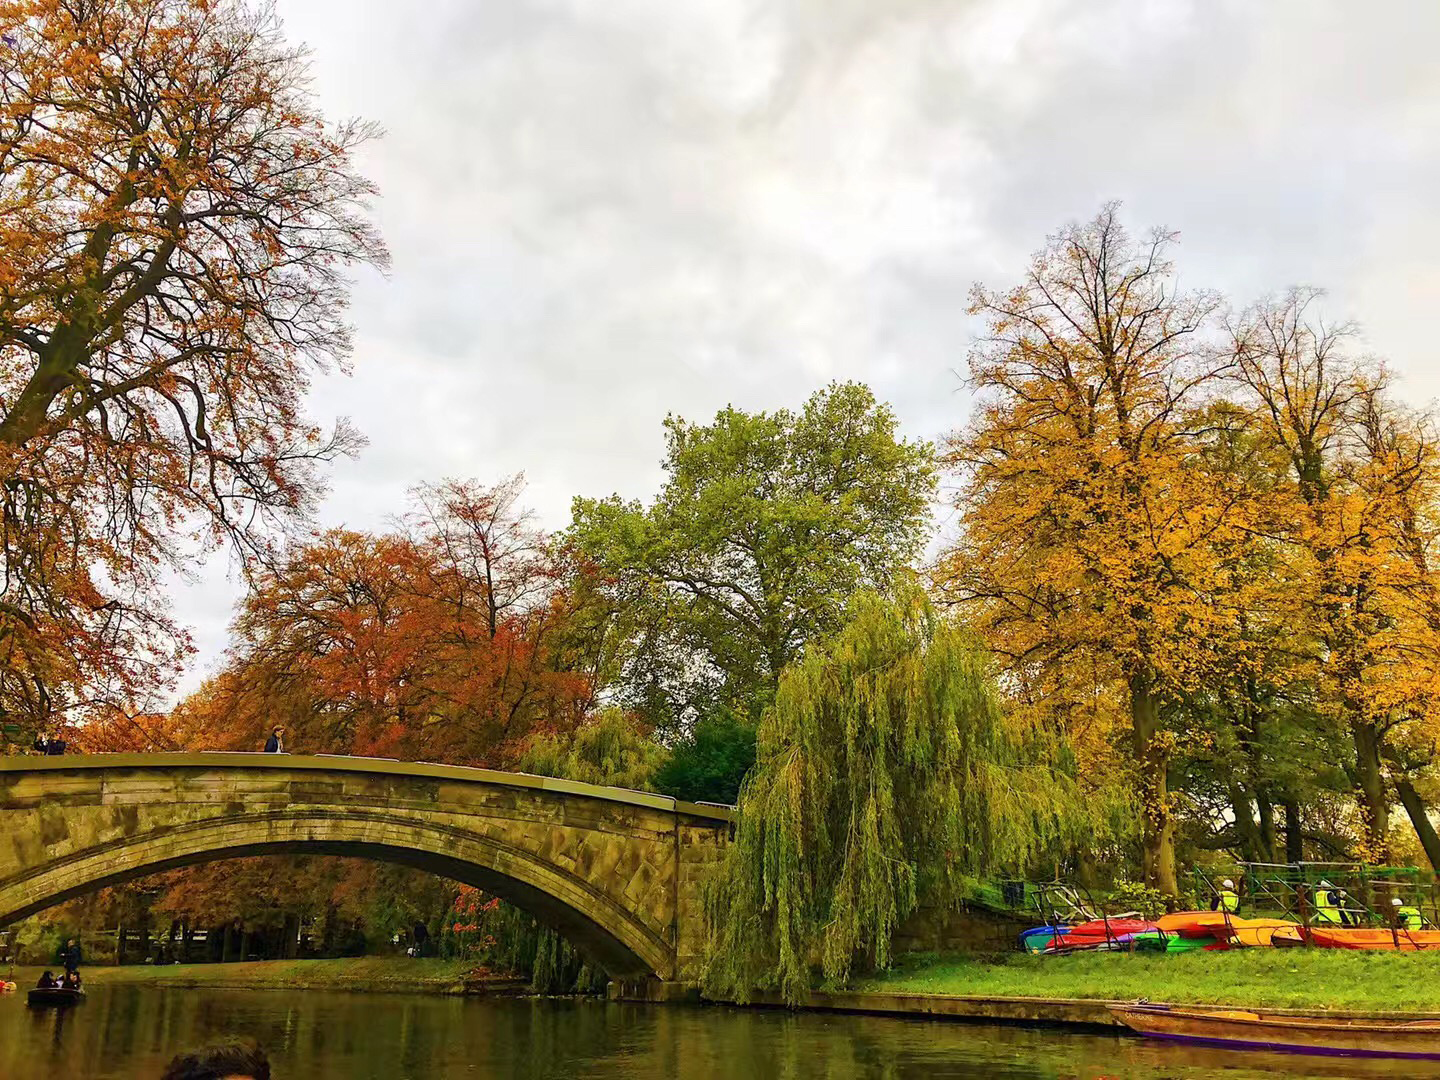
(1097, 933)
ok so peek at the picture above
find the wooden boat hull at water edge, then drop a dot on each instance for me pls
(1241, 1030)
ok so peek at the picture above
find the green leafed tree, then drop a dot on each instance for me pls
(767, 524)
(886, 773)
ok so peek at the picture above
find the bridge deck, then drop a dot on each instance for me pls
(210, 759)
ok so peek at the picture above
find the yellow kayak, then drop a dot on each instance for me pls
(1255, 932)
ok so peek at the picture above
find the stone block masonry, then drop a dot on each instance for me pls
(617, 872)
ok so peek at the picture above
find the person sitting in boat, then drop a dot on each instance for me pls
(1227, 899)
(72, 980)
(47, 981)
(1407, 917)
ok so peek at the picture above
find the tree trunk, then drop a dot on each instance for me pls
(1266, 810)
(1420, 818)
(1371, 784)
(1246, 832)
(1158, 827)
(1294, 842)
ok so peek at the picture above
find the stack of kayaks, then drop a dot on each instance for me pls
(1092, 936)
(1186, 931)
(1182, 931)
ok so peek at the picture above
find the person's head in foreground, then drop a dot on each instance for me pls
(228, 1061)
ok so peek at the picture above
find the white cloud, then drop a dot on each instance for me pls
(604, 210)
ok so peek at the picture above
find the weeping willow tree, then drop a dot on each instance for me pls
(887, 773)
(609, 750)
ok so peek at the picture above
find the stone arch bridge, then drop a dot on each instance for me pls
(617, 872)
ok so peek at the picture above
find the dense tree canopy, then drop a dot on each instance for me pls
(766, 525)
(177, 224)
(1096, 552)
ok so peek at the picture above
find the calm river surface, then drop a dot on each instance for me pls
(130, 1032)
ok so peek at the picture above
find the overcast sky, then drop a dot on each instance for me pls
(604, 210)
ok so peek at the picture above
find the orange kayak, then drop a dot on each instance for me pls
(1348, 937)
(1253, 933)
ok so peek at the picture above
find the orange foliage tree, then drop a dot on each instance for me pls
(1097, 555)
(177, 225)
(433, 643)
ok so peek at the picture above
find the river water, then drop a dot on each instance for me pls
(130, 1032)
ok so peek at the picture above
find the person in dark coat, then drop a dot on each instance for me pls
(275, 744)
(420, 935)
(71, 956)
(47, 981)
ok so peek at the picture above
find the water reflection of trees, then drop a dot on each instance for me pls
(132, 1031)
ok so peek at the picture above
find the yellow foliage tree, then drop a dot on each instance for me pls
(1098, 555)
(1358, 512)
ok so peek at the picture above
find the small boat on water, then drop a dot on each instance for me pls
(49, 997)
(1243, 1030)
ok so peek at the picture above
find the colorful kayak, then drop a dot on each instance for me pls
(1035, 940)
(1159, 941)
(1289, 937)
(1256, 933)
(1195, 923)
(1098, 933)
(1242, 1030)
(1350, 937)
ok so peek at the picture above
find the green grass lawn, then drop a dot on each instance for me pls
(359, 973)
(1285, 978)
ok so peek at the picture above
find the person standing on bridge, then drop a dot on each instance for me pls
(275, 744)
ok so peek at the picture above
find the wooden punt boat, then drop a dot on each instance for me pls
(1241, 1030)
(50, 997)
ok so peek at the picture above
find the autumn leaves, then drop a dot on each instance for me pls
(1209, 532)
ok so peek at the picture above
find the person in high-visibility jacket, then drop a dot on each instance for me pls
(1406, 916)
(1326, 902)
(1227, 899)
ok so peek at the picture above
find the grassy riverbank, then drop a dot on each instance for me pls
(1283, 978)
(376, 974)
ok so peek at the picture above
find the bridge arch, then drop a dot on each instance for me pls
(616, 872)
